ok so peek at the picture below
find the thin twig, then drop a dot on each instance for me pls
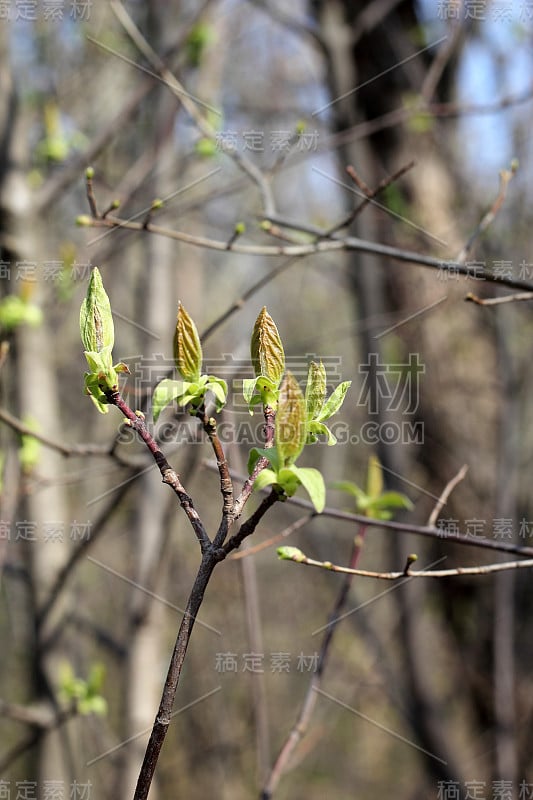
(190, 105)
(448, 489)
(441, 533)
(497, 301)
(226, 485)
(272, 540)
(333, 244)
(506, 176)
(211, 556)
(370, 194)
(65, 449)
(262, 462)
(487, 569)
(237, 305)
(169, 475)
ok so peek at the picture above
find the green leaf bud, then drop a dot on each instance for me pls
(96, 320)
(187, 347)
(266, 349)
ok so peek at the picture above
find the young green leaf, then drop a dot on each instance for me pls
(288, 480)
(266, 349)
(164, 393)
(96, 321)
(375, 502)
(265, 478)
(187, 347)
(334, 402)
(315, 429)
(315, 391)
(259, 452)
(219, 388)
(248, 388)
(392, 500)
(291, 420)
(313, 482)
(350, 488)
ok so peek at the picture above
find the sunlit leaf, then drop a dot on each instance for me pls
(334, 401)
(187, 347)
(313, 482)
(164, 393)
(291, 420)
(266, 349)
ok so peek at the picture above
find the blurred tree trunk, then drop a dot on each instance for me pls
(155, 316)
(36, 397)
(362, 46)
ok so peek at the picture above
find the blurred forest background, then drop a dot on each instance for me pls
(429, 688)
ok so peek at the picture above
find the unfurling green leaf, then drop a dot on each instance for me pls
(164, 393)
(269, 453)
(266, 348)
(291, 421)
(334, 402)
(219, 388)
(96, 321)
(315, 429)
(313, 482)
(315, 392)
(265, 478)
(187, 347)
(375, 502)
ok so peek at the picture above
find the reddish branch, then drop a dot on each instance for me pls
(212, 553)
(169, 475)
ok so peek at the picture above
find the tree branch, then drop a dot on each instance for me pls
(170, 476)
(299, 558)
(323, 245)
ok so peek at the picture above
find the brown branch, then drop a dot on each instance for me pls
(272, 540)
(248, 527)
(486, 569)
(505, 178)
(211, 556)
(406, 527)
(497, 301)
(164, 713)
(65, 449)
(169, 475)
(443, 499)
(323, 245)
(189, 103)
(226, 486)
(247, 489)
(370, 194)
